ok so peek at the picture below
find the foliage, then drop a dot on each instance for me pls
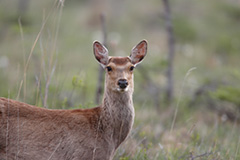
(233, 11)
(77, 81)
(229, 94)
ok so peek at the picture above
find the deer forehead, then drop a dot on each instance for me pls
(120, 62)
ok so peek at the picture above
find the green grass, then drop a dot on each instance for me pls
(207, 35)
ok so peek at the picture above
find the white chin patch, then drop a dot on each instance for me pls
(122, 90)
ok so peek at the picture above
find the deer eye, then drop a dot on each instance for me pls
(131, 68)
(109, 68)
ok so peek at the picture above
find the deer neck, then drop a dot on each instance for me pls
(118, 113)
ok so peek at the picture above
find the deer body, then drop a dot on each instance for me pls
(28, 132)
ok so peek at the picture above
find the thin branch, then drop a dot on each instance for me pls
(237, 149)
(24, 58)
(7, 128)
(201, 155)
(192, 157)
(99, 91)
(47, 86)
(55, 150)
(19, 90)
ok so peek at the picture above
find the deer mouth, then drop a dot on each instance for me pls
(119, 89)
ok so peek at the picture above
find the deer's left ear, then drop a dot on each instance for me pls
(139, 52)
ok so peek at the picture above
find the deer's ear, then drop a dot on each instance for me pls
(139, 52)
(101, 53)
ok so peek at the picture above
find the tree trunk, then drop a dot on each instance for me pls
(171, 50)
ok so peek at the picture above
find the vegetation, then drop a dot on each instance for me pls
(46, 60)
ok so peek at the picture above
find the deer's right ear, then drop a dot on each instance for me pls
(101, 53)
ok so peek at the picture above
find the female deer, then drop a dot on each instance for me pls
(32, 133)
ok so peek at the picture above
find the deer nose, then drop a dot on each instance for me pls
(122, 83)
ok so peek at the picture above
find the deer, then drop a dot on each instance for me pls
(29, 132)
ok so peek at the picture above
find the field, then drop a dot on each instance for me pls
(46, 59)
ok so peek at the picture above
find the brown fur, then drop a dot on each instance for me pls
(120, 60)
(32, 133)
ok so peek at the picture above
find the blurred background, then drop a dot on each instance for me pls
(187, 104)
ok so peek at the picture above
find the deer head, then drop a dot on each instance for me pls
(119, 70)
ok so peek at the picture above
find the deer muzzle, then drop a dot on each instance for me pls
(122, 83)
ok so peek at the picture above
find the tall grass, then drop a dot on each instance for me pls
(48, 71)
(180, 96)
